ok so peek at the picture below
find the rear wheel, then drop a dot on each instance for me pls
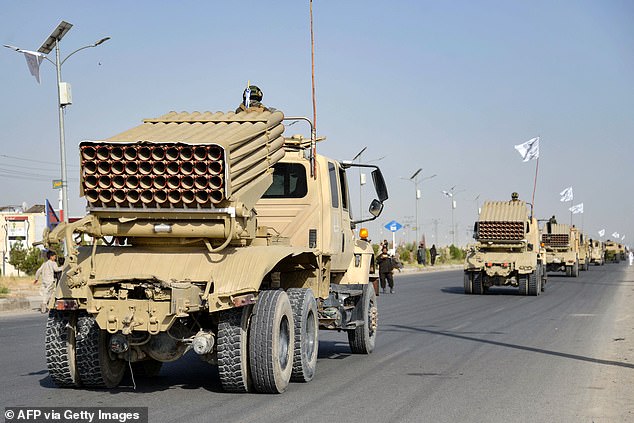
(233, 355)
(60, 348)
(363, 338)
(468, 283)
(534, 279)
(98, 366)
(271, 342)
(544, 278)
(569, 271)
(522, 281)
(477, 284)
(575, 269)
(306, 334)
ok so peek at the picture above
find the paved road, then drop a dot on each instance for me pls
(441, 356)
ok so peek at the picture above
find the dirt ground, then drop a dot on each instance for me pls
(19, 286)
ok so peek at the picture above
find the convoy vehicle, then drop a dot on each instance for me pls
(597, 252)
(212, 232)
(562, 248)
(612, 251)
(584, 250)
(507, 251)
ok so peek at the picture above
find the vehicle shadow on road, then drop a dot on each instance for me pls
(403, 328)
(490, 291)
(334, 350)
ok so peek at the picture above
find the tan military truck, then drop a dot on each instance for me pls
(507, 251)
(562, 248)
(584, 250)
(212, 232)
(612, 251)
(597, 252)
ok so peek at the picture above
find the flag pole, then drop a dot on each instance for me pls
(535, 185)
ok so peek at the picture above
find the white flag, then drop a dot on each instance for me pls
(529, 150)
(602, 232)
(616, 235)
(33, 61)
(566, 195)
(577, 209)
(623, 237)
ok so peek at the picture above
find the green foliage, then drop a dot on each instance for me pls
(456, 253)
(27, 261)
(3, 290)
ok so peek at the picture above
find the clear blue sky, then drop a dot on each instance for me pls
(446, 86)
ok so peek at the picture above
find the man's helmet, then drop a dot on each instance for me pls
(515, 196)
(256, 93)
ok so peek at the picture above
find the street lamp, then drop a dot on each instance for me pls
(451, 194)
(63, 94)
(414, 179)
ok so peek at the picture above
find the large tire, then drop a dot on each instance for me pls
(233, 353)
(544, 278)
(468, 282)
(522, 281)
(98, 366)
(569, 271)
(362, 339)
(575, 270)
(60, 348)
(477, 283)
(271, 342)
(534, 279)
(306, 334)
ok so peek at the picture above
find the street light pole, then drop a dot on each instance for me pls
(52, 42)
(414, 179)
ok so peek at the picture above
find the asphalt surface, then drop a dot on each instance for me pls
(441, 356)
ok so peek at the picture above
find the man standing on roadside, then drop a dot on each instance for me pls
(46, 273)
(386, 266)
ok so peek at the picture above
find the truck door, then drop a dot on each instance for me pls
(341, 236)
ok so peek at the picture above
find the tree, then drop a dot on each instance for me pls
(27, 261)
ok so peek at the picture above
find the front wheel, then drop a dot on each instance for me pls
(363, 338)
(271, 342)
(468, 283)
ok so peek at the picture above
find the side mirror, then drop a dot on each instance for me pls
(379, 185)
(376, 207)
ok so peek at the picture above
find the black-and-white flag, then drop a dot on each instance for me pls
(577, 208)
(33, 60)
(602, 232)
(566, 195)
(529, 150)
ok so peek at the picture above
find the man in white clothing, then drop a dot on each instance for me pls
(46, 273)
